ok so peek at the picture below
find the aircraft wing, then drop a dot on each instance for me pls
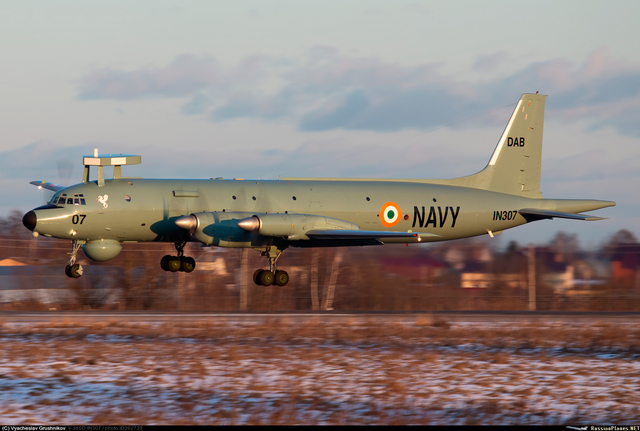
(47, 185)
(379, 236)
(532, 214)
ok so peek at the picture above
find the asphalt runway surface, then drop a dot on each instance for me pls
(330, 316)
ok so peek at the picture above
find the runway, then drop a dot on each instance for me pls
(329, 316)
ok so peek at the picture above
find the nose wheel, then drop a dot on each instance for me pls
(178, 263)
(73, 271)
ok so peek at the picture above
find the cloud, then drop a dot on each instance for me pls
(197, 105)
(352, 107)
(43, 160)
(489, 63)
(184, 76)
(326, 90)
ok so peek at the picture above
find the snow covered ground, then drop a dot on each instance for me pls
(319, 373)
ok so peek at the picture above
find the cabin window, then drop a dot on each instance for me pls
(69, 201)
(82, 201)
(63, 199)
(76, 200)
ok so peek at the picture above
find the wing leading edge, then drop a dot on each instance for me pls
(47, 185)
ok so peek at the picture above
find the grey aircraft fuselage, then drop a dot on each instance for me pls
(146, 209)
(271, 215)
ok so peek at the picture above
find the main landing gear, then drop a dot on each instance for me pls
(180, 262)
(267, 277)
(73, 270)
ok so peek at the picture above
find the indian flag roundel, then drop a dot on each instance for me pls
(390, 214)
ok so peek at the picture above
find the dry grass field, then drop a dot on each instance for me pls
(428, 372)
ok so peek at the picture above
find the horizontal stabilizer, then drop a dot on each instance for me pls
(47, 185)
(533, 214)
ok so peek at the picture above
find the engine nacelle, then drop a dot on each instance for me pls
(241, 229)
(292, 226)
(217, 228)
(102, 249)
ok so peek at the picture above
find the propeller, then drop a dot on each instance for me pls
(65, 171)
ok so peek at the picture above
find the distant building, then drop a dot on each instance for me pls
(421, 268)
(484, 280)
(511, 270)
(625, 265)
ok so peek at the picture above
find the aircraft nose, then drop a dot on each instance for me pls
(30, 220)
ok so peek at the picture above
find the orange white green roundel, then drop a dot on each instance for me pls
(390, 214)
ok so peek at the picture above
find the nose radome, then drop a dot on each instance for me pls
(30, 220)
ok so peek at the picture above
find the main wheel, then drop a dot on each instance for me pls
(66, 271)
(256, 277)
(281, 278)
(164, 262)
(187, 264)
(173, 264)
(266, 278)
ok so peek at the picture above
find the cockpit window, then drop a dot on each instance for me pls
(77, 199)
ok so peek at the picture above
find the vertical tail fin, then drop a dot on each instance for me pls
(514, 167)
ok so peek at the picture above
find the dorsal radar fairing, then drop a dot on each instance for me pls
(102, 160)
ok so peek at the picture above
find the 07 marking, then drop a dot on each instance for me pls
(78, 218)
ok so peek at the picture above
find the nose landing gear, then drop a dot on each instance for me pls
(73, 270)
(180, 262)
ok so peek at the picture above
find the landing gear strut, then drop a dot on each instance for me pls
(73, 270)
(264, 277)
(180, 262)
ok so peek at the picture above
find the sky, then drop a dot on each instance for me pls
(384, 89)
